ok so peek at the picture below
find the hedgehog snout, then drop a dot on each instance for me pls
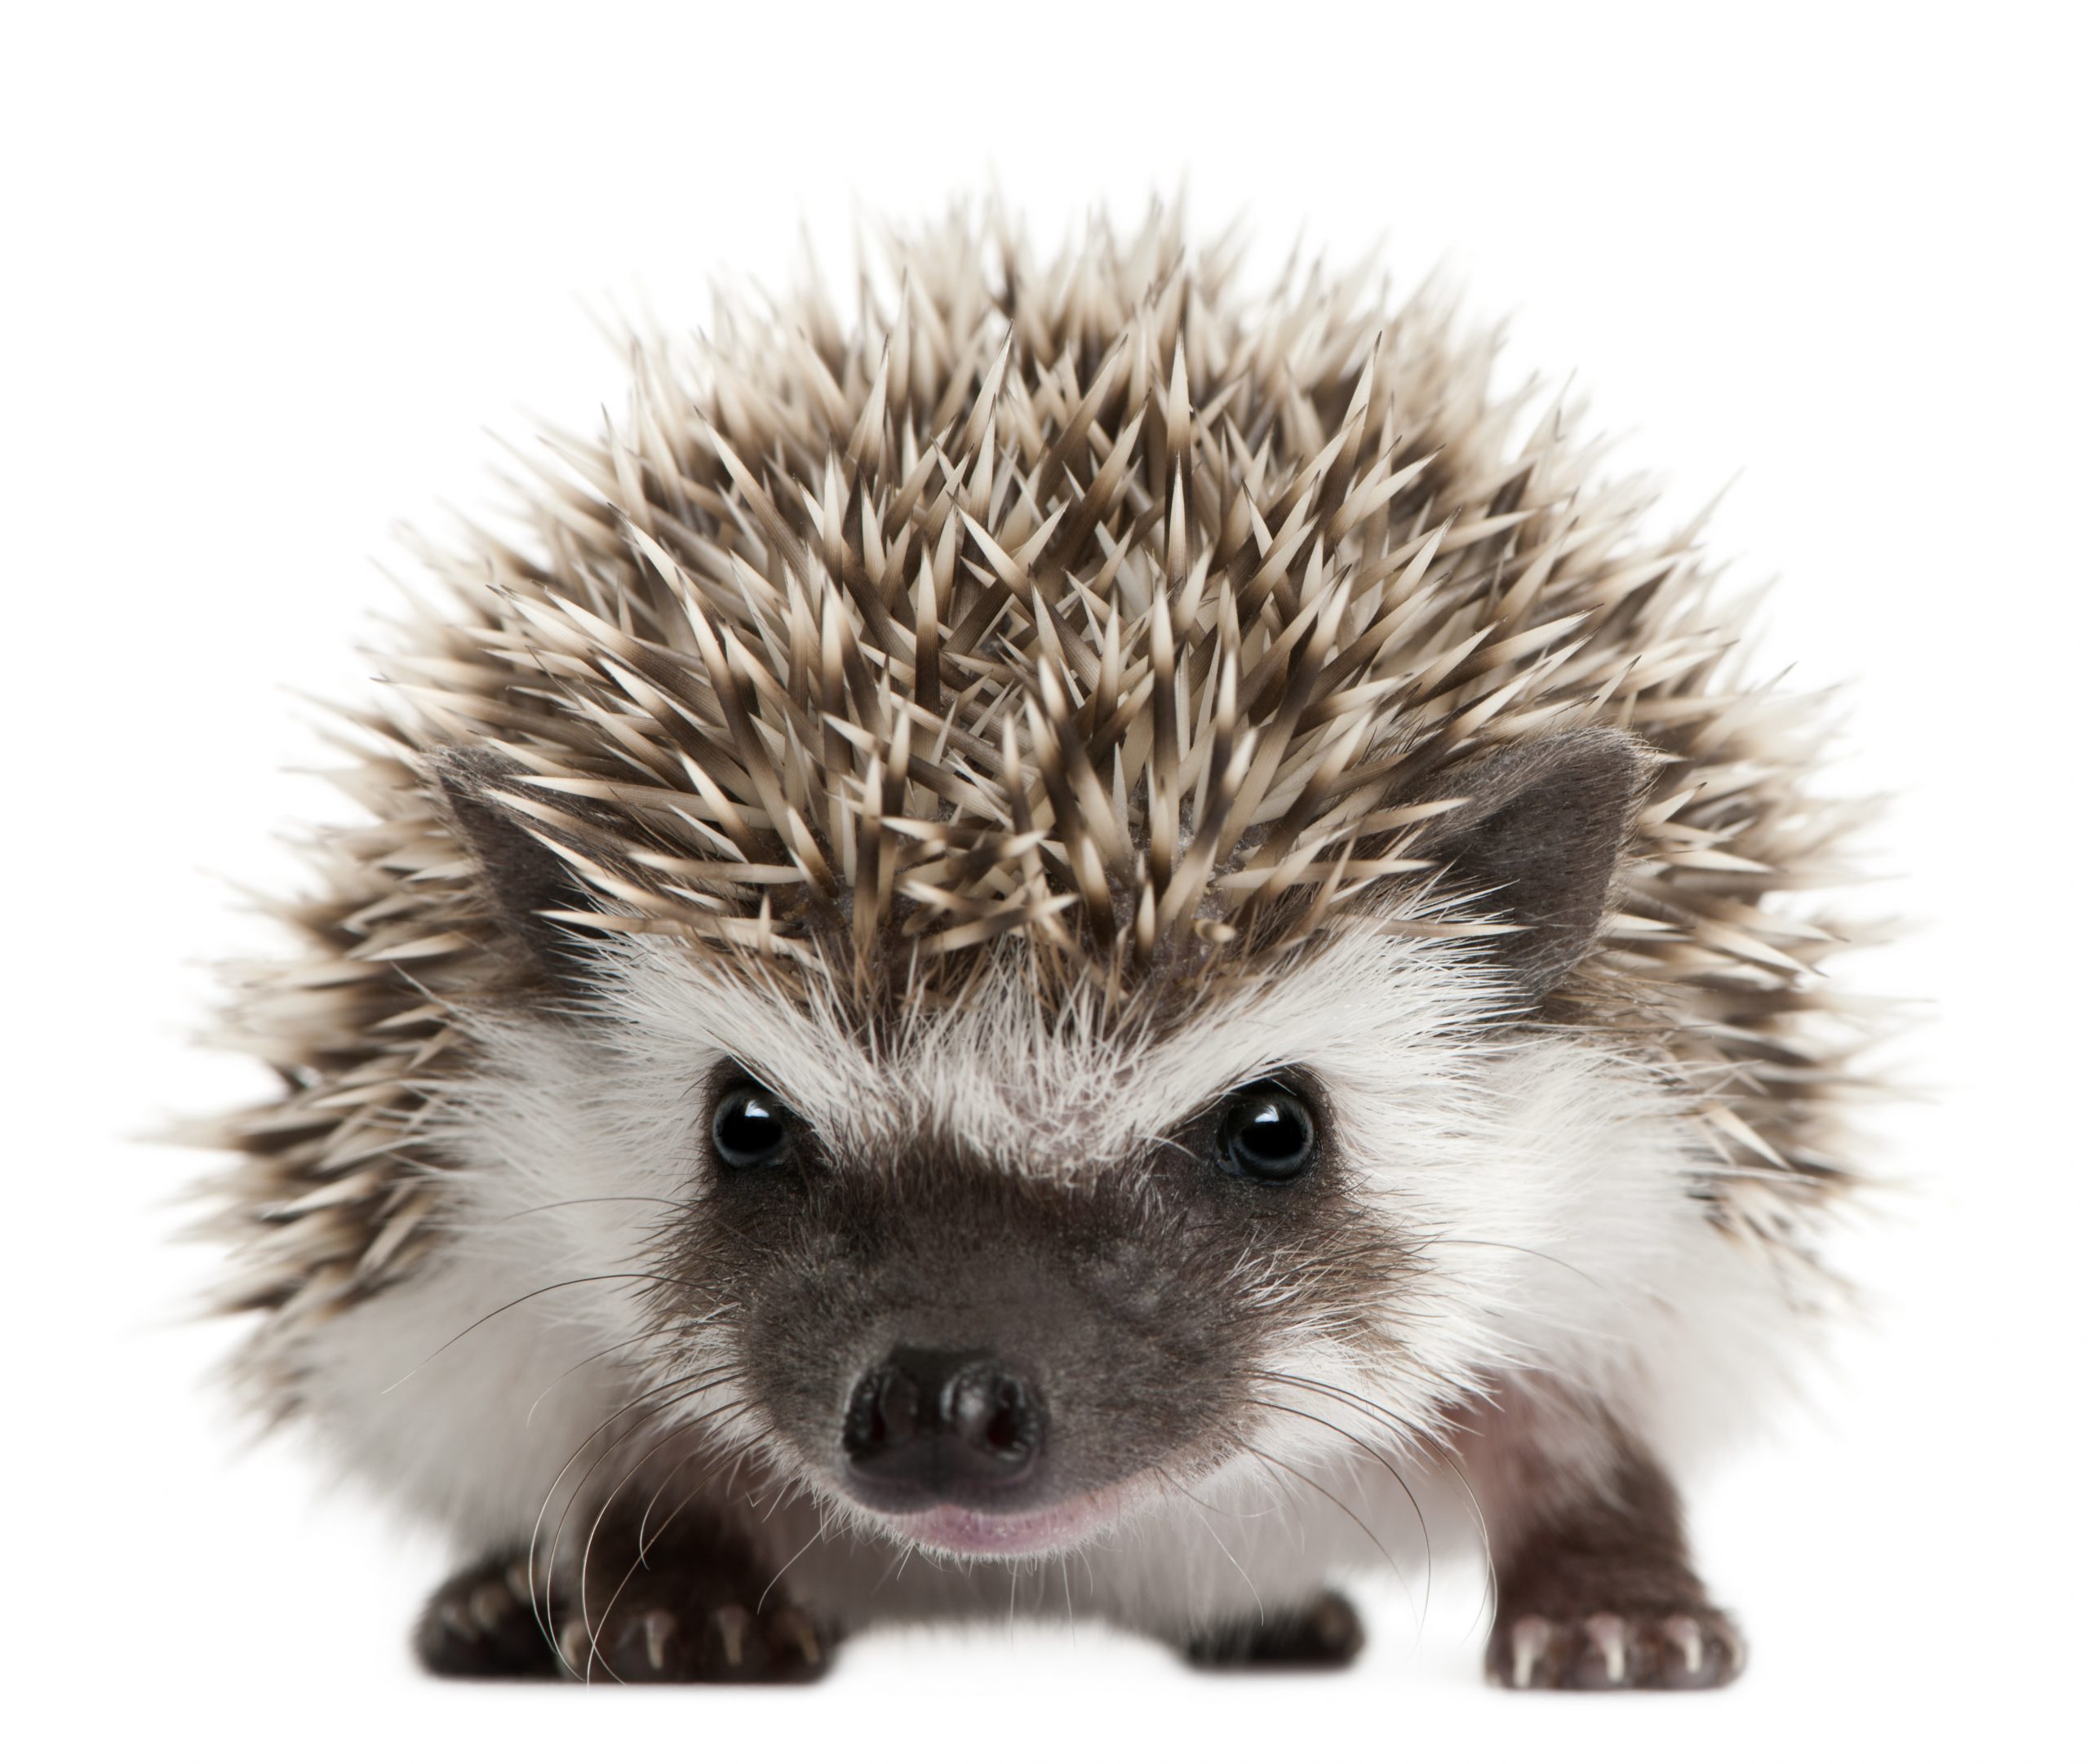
(927, 1425)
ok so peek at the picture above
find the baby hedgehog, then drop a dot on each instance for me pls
(1091, 947)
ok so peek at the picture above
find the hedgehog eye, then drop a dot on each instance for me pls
(750, 1129)
(1265, 1134)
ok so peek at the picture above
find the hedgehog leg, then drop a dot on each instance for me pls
(697, 1605)
(1598, 1594)
(1323, 1632)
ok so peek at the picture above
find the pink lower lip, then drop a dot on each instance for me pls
(966, 1531)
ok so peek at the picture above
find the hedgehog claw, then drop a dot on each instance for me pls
(660, 1628)
(794, 1630)
(734, 1625)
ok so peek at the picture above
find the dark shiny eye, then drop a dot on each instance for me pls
(750, 1130)
(1265, 1134)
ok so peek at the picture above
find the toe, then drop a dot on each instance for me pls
(798, 1651)
(648, 1644)
(1524, 1654)
(1698, 1652)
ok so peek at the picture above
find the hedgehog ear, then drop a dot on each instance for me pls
(1538, 839)
(526, 880)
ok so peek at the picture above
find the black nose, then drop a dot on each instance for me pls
(929, 1421)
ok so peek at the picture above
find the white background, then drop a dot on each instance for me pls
(267, 275)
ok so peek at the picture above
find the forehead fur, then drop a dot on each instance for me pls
(1051, 1092)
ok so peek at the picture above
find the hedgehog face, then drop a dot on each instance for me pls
(994, 1282)
(988, 1352)
(987, 1270)
(1004, 1278)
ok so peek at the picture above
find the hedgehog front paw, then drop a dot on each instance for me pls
(670, 1638)
(1693, 1648)
(694, 1619)
(1325, 1633)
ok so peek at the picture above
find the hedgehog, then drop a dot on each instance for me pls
(1097, 943)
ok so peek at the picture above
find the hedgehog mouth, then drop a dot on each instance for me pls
(954, 1530)
(960, 1530)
